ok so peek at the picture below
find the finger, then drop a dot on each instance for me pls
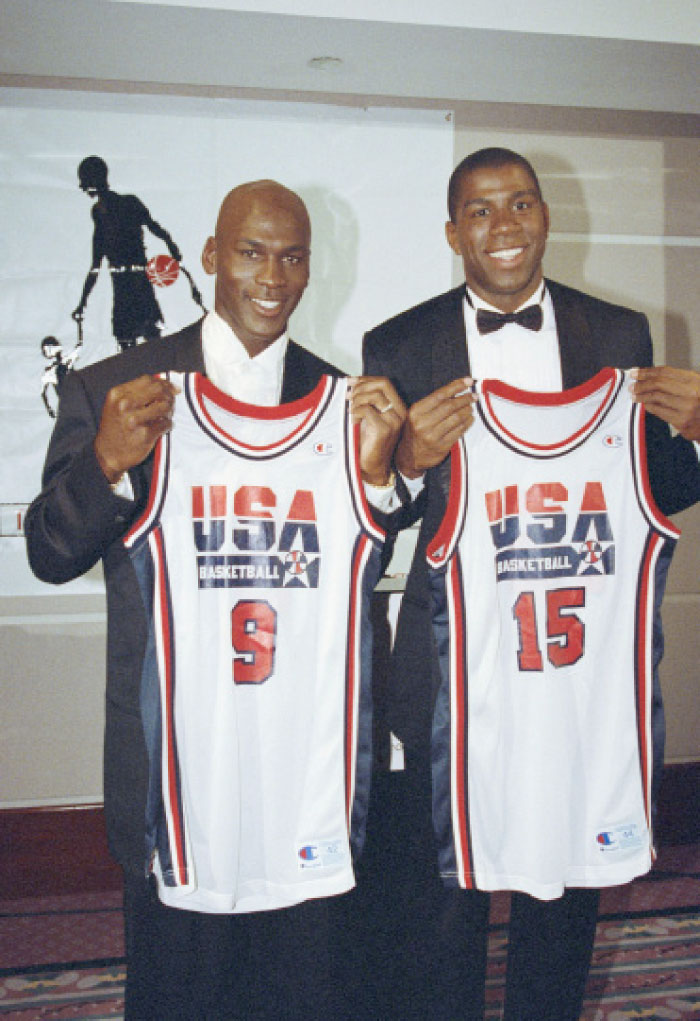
(129, 410)
(377, 388)
(381, 400)
(145, 385)
(442, 400)
(457, 408)
(145, 415)
(388, 421)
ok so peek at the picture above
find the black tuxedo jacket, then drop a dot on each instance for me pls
(425, 348)
(77, 520)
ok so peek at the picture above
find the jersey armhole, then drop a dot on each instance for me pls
(640, 470)
(363, 511)
(441, 546)
(145, 522)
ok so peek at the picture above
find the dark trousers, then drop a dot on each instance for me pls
(426, 945)
(267, 966)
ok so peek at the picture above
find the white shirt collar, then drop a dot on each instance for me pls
(229, 366)
(518, 356)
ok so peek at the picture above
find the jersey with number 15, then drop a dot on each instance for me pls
(547, 576)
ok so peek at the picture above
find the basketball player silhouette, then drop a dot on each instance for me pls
(118, 237)
(56, 371)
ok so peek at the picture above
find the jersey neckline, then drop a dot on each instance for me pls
(199, 390)
(608, 380)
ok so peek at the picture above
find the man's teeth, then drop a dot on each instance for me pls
(506, 253)
(267, 303)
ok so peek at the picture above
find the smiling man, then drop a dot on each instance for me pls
(509, 323)
(272, 964)
(259, 255)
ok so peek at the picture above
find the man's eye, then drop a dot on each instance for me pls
(293, 260)
(480, 212)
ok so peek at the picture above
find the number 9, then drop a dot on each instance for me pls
(253, 637)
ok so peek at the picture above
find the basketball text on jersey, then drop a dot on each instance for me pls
(549, 530)
(245, 539)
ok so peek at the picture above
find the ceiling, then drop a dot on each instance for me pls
(207, 47)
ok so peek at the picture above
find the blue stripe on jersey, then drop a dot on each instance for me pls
(360, 647)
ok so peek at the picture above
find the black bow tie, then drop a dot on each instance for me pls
(488, 321)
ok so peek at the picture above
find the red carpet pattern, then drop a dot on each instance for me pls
(62, 957)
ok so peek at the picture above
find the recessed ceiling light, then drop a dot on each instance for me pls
(324, 63)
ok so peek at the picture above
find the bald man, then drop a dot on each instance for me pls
(183, 964)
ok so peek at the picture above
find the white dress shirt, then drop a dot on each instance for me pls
(229, 366)
(528, 359)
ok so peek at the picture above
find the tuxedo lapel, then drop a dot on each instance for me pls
(449, 342)
(295, 379)
(187, 349)
(576, 341)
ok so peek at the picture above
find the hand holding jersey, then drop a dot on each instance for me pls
(379, 409)
(671, 394)
(134, 416)
(432, 426)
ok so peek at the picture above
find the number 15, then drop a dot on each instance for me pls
(565, 631)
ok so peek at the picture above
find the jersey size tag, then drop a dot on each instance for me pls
(626, 837)
(320, 854)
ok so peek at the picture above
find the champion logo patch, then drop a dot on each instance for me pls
(612, 440)
(322, 854)
(324, 447)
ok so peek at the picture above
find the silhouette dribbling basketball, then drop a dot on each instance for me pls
(119, 222)
(162, 270)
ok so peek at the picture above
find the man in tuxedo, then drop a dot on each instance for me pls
(182, 964)
(509, 323)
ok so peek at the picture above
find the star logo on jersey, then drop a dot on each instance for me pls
(300, 569)
(295, 562)
(596, 557)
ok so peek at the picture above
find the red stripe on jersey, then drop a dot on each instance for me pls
(155, 492)
(644, 664)
(362, 507)
(451, 525)
(171, 780)
(458, 651)
(641, 471)
(606, 377)
(311, 404)
(352, 679)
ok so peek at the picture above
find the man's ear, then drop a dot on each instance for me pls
(545, 213)
(452, 239)
(209, 256)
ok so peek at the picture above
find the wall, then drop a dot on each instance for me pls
(626, 225)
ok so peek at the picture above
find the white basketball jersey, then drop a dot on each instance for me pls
(257, 557)
(547, 576)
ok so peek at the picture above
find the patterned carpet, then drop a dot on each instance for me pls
(62, 957)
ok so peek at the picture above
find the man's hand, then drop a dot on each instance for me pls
(376, 405)
(134, 416)
(432, 426)
(671, 394)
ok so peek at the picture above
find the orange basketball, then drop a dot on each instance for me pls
(162, 270)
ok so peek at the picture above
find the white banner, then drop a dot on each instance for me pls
(374, 181)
